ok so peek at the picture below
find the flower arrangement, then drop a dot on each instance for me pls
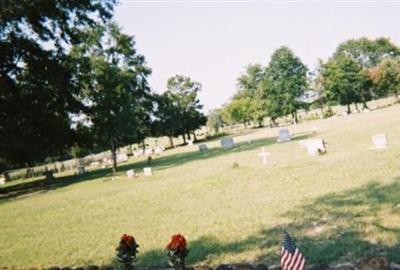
(177, 251)
(126, 252)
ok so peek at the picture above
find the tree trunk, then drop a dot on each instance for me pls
(130, 152)
(245, 125)
(348, 109)
(184, 138)
(114, 156)
(171, 141)
(294, 117)
(356, 106)
(194, 136)
(188, 135)
(144, 147)
(273, 121)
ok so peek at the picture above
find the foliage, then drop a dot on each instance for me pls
(343, 81)
(179, 111)
(238, 111)
(126, 252)
(214, 121)
(116, 91)
(38, 79)
(387, 77)
(177, 252)
(284, 83)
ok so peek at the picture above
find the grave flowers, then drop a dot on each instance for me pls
(126, 252)
(177, 252)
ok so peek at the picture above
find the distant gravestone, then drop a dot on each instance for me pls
(147, 171)
(2, 181)
(203, 147)
(138, 153)
(122, 157)
(315, 147)
(227, 143)
(80, 166)
(158, 150)
(130, 173)
(81, 170)
(284, 135)
(264, 156)
(148, 151)
(190, 142)
(380, 141)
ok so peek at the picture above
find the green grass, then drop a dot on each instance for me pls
(338, 206)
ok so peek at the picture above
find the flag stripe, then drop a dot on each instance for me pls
(291, 257)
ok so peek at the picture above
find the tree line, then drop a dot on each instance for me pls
(359, 71)
(73, 83)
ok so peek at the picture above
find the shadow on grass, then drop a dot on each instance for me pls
(158, 163)
(333, 228)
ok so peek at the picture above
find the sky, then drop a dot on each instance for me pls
(213, 41)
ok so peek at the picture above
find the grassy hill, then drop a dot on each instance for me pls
(337, 206)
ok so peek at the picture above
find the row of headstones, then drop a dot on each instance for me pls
(226, 143)
(147, 171)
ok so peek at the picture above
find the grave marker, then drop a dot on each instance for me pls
(315, 146)
(122, 157)
(147, 171)
(264, 155)
(203, 147)
(284, 135)
(380, 141)
(130, 173)
(227, 143)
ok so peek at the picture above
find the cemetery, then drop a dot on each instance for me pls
(199, 135)
(317, 197)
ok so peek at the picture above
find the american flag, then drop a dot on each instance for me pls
(291, 257)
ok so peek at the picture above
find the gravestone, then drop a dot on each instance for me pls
(80, 166)
(148, 151)
(315, 146)
(227, 143)
(138, 153)
(203, 147)
(122, 157)
(190, 142)
(284, 135)
(130, 173)
(158, 150)
(380, 141)
(2, 181)
(95, 164)
(264, 155)
(147, 171)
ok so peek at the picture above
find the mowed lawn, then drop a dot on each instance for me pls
(338, 206)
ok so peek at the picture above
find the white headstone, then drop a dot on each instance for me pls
(380, 141)
(315, 146)
(203, 147)
(264, 155)
(130, 173)
(284, 135)
(2, 181)
(122, 157)
(148, 151)
(158, 150)
(147, 171)
(95, 163)
(190, 142)
(138, 153)
(227, 143)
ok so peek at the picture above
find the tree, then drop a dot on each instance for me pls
(182, 92)
(38, 79)
(214, 120)
(387, 77)
(238, 111)
(249, 87)
(368, 53)
(343, 79)
(284, 83)
(116, 93)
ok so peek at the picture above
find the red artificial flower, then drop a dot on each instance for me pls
(127, 240)
(178, 242)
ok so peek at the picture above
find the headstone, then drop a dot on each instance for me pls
(264, 155)
(95, 164)
(148, 151)
(284, 135)
(315, 146)
(380, 141)
(2, 181)
(190, 142)
(122, 157)
(130, 173)
(147, 171)
(81, 169)
(80, 166)
(203, 147)
(227, 143)
(138, 153)
(158, 150)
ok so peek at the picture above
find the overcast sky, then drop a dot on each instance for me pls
(212, 41)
